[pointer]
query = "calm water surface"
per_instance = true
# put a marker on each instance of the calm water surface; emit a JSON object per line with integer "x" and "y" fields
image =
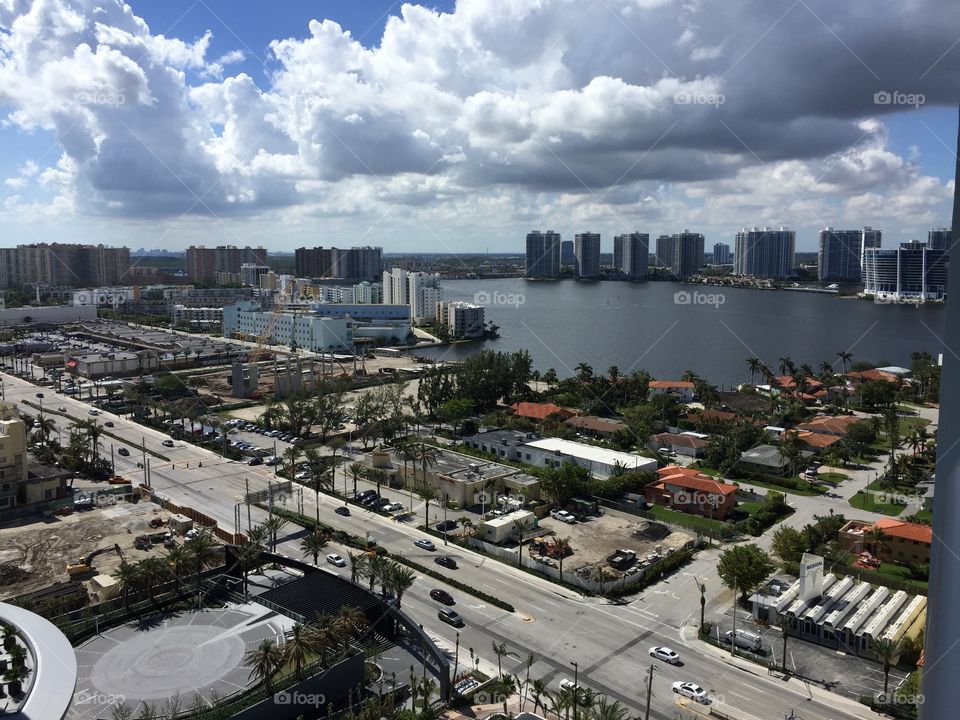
{"x": 640, "y": 326}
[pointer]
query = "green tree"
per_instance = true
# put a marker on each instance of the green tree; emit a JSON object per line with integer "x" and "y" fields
{"x": 264, "y": 661}
{"x": 312, "y": 545}
{"x": 454, "y": 411}
{"x": 789, "y": 544}
{"x": 743, "y": 568}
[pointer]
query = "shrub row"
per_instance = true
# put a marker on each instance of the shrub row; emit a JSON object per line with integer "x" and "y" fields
{"x": 654, "y": 573}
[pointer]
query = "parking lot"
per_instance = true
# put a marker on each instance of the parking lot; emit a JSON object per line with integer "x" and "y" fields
{"x": 597, "y": 538}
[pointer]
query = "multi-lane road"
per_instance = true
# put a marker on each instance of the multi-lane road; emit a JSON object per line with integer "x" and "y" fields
{"x": 608, "y": 641}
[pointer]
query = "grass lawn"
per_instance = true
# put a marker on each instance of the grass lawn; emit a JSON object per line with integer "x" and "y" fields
{"x": 922, "y": 516}
{"x": 834, "y": 478}
{"x": 908, "y": 423}
{"x": 804, "y": 490}
{"x": 686, "y": 519}
{"x": 867, "y": 501}
{"x": 896, "y": 572}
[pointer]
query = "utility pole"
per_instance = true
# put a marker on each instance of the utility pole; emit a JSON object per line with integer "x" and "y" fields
{"x": 646, "y": 714}
{"x": 113, "y": 465}
{"x": 733, "y": 638}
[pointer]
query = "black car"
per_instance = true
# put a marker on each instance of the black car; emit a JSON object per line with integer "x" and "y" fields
{"x": 383, "y": 501}
{"x": 451, "y": 617}
{"x": 364, "y": 494}
{"x": 442, "y": 596}
{"x": 447, "y": 562}
{"x": 123, "y": 452}
{"x": 370, "y": 500}
{"x": 342, "y": 510}
{"x": 256, "y": 461}
{"x": 108, "y": 423}
{"x": 446, "y": 525}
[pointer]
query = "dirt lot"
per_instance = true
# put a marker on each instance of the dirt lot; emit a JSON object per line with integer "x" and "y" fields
{"x": 43, "y": 548}
{"x": 597, "y": 538}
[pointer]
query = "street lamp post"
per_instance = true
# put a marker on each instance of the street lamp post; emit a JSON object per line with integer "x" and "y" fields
{"x": 576, "y": 687}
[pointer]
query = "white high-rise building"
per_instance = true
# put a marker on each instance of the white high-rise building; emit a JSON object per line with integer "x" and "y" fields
{"x": 421, "y": 291}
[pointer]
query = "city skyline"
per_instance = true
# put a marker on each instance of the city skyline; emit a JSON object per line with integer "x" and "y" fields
{"x": 293, "y": 129}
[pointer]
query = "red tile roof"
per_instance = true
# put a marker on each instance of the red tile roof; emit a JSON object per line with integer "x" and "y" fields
{"x": 829, "y": 424}
{"x": 787, "y": 381}
{"x": 690, "y": 441}
{"x": 708, "y": 415}
{"x": 667, "y": 384}
{"x": 817, "y": 440}
{"x": 538, "y": 411}
{"x": 688, "y": 478}
{"x": 906, "y": 530}
{"x": 872, "y": 375}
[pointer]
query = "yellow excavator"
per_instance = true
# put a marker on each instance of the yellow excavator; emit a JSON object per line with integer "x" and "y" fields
{"x": 85, "y": 564}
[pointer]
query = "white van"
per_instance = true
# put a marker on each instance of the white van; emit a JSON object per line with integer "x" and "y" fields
{"x": 744, "y": 639}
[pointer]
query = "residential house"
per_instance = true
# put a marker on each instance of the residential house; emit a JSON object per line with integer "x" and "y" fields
{"x": 594, "y": 426}
{"x": 688, "y": 444}
{"x": 829, "y": 424}
{"x": 817, "y": 442}
{"x": 681, "y": 389}
{"x": 691, "y": 491}
{"x": 905, "y": 542}
{"x": 600, "y": 462}
{"x": 811, "y": 391}
{"x": 765, "y": 459}
{"x": 541, "y": 411}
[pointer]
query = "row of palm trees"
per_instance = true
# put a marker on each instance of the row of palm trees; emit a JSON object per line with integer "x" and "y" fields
{"x": 586, "y": 703}
{"x": 82, "y": 449}
{"x": 329, "y": 637}
{"x": 373, "y": 569}
{"x": 149, "y": 574}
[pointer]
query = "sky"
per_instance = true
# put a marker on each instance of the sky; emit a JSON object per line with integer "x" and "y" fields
{"x": 460, "y": 126}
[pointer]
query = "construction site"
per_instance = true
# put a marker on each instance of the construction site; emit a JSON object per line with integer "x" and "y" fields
{"x": 85, "y": 547}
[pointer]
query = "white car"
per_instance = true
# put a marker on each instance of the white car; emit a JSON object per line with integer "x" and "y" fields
{"x": 94, "y": 412}
{"x": 392, "y": 507}
{"x": 665, "y": 654}
{"x": 335, "y": 559}
{"x": 563, "y": 516}
{"x": 567, "y": 684}
{"x": 692, "y": 691}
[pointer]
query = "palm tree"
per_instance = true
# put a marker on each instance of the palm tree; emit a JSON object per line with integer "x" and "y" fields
{"x": 754, "y": 364}
{"x": 826, "y": 370}
{"x": 180, "y": 561}
{"x": 274, "y": 525}
{"x": 358, "y": 565}
{"x": 320, "y": 479}
{"x": 600, "y": 576}
{"x": 500, "y": 649}
{"x": 845, "y": 357}
{"x": 264, "y": 661}
{"x": 300, "y": 644}
{"x": 351, "y": 622}
{"x": 428, "y": 458}
{"x": 313, "y": 544}
{"x": 562, "y": 546}
{"x": 204, "y": 551}
{"x": 519, "y": 525}
{"x": 428, "y": 493}
{"x": 604, "y": 709}
{"x": 152, "y": 571}
{"x": 45, "y": 426}
{"x": 357, "y": 471}
{"x": 290, "y": 455}
{"x": 539, "y": 689}
{"x": 876, "y": 539}
{"x": 128, "y": 578}
{"x": 329, "y": 635}
{"x": 248, "y": 553}
{"x": 888, "y": 653}
{"x": 584, "y": 372}
{"x": 400, "y": 580}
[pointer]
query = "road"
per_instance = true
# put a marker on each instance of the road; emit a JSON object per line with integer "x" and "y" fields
{"x": 608, "y": 641}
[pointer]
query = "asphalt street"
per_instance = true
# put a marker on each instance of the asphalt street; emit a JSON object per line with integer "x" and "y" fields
{"x": 608, "y": 641}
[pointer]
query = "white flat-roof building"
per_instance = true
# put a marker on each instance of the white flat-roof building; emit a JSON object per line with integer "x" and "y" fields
{"x": 600, "y": 462}
{"x": 498, "y": 529}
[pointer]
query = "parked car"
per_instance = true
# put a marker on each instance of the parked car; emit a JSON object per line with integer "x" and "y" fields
{"x": 256, "y": 461}
{"x": 563, "y": 516}
{"x": 62, "y": 408}
{"x": 744, "y": 639}
{"x": 94, "y": 411}
{"x": 451, "y": 617}
{"x": 108, "y": 423}
{"x": 665, "y": 654}
{"x": 342, "y": 510}
{"x": 335, "y": 559}
{"x": 442, "y": 596}
{"x": 447, "y": 562}
{"x": 167, "y": 443}
{"x": 425, "y": 544}
{"x": 123, "y": 452}
{"x": 393, "y": 507}
{"x": 692, "y": 691}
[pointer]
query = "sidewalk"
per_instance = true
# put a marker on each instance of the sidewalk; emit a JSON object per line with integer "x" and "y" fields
{"x": 804, "y": 690}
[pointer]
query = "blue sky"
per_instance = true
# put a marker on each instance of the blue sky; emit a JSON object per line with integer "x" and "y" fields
{"x": 468, "y": 125}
